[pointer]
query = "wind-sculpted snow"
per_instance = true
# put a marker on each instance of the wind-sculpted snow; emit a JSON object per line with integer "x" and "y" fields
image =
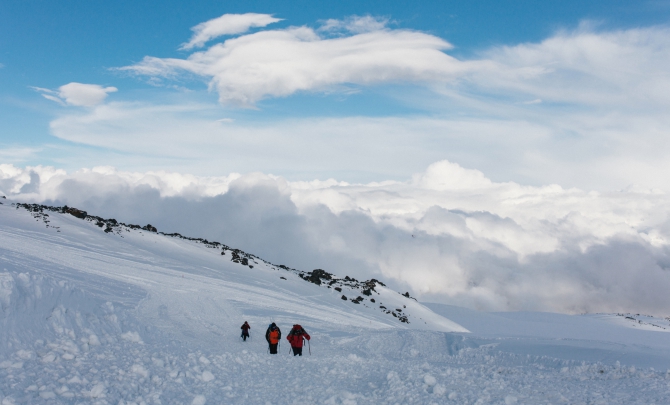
{"x": 132, "y": 316}
{"x": 341, "y": 371}
{"x": 37, "y": 308}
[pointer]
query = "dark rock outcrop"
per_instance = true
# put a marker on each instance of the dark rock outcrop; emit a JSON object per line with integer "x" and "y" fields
{"x": 150, "y": 228}
{"x": 77, "y": 213}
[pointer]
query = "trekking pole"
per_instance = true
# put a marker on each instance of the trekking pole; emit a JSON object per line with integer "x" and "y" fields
{"x": 309, "y": 346}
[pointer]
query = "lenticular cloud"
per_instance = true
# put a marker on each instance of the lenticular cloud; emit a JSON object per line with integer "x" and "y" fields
{"x": 449, "y": 234}
{"x": 568, "y": 67}
{"x": 277, "y": 63}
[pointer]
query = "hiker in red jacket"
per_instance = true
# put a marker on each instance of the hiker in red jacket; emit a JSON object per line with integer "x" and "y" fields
{"x": 245, "y": 330}
{"x": 295, "y": 338}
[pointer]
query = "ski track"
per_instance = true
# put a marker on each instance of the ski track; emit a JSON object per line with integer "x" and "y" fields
{"x": 94, "y": 318}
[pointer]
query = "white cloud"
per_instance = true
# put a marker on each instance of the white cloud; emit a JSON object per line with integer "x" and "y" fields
{"x": 227, "y": 24}
{"x": 277, "y": 63}
{"x": 621, "y": 69}
{"x": 77, "y": 94}
{"x": 388, "y": 147}
{"x": 86, "y": 95}
{"x": 614, "y": 69}
{"x": 53, "y": 98}
{"x": 103, "y": 179}
{"x": 499, "y": 246}
{"x": 592, "y": 150}
{"x": 18, "y": 154}
{"x": 355, "y": 24}
{"x": 450, "y": 176}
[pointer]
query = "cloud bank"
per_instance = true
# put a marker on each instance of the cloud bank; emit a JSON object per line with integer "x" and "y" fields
{"x": 623, "y": 68}
{"x": 448, "y": 234}
{"x": 601, "y": 151}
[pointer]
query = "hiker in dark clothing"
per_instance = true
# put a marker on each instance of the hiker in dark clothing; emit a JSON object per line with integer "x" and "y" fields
{"x": 295, "y": 337}
{"x": 245, "y": 330}
{"x": 273, "y": 335}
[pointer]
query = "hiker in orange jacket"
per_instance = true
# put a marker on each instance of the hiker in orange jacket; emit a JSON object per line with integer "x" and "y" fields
{"x": 273, "y": 335}
{"x": 295, "y": 338}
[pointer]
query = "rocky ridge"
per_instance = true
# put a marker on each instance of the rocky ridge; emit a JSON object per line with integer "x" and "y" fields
{"x": 319, "y": 277}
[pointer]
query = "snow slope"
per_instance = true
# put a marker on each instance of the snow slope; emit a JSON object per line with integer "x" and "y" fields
{"x": 96, "y": 312}
{"x": 604, "y": 338}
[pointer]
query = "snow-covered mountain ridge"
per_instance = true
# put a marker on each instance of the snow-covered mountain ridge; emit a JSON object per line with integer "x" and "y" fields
{"x": 132, "y": 316}
{"x": 360, "y": 292}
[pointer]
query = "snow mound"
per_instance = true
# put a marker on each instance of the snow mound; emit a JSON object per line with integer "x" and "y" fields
{"x": 37, "y": 308}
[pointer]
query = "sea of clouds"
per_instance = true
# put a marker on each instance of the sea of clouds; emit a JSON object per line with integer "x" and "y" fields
{"x": 447, "y": 234}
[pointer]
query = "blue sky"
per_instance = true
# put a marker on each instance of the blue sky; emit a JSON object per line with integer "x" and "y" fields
{"x": 352, "y": 129}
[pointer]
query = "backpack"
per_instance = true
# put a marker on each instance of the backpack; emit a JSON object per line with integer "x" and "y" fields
{"x": 295, "y": 335}
{"x": 274, "y": 336}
